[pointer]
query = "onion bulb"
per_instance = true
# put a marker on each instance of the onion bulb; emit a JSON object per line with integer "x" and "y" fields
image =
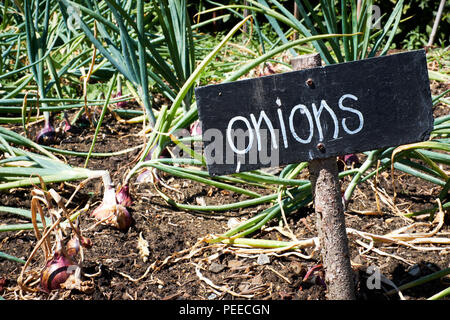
{"x": 120, "y": 104}
{"x": 351, "y": 159}
{"x": 47, "y": 133}
{"x": 73, "y": 245}
{"x": 110, "y": 212}
{"x": 56, "y": 272}
{"x": 146, "y": 174}
{"x": 196, "y": 128}
{"x": 348, "y": 160}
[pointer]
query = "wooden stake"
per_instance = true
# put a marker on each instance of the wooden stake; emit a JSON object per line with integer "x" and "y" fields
{"x": 245, "y": 16}
{"x": 330, "y": 214}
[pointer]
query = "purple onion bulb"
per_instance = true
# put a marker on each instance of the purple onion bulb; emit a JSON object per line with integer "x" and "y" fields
{"x": 47, "y": 134}
{"x": 56, "y": 272}
{"x": 196, "y": 128}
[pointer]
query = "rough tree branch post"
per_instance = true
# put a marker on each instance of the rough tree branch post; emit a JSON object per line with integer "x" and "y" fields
{"x": 315, "y": 114}
{"x": 330, "y": 219}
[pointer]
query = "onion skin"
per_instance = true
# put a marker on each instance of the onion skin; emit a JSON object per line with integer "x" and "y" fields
{"x": 120, "y": 104}
{"x": 123, "y": 219}
{"x": 86, "y": 242}
{"x": 123, "y": 196}
{"x": 73, "y": 247}
{"x": 350, "y": 159}
{"x": 56, "y": 272}
{"x": 146, "y": 174}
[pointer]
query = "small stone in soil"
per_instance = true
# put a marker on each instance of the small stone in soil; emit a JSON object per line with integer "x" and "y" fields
{"x": 263, "y": 259}
{"x": 212, "y": 296}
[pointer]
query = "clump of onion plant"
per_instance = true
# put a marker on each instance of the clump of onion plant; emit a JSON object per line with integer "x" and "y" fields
{"x": 63, "y": 263}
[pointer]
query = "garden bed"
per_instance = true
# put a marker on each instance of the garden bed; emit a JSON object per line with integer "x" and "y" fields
{"x": 182, "y": 265}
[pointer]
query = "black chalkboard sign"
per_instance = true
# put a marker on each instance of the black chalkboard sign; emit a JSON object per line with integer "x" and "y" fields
{"x": 315, "y": 113}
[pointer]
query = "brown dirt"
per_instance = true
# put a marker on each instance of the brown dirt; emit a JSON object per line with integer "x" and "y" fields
{"x": 116, "y": 270}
